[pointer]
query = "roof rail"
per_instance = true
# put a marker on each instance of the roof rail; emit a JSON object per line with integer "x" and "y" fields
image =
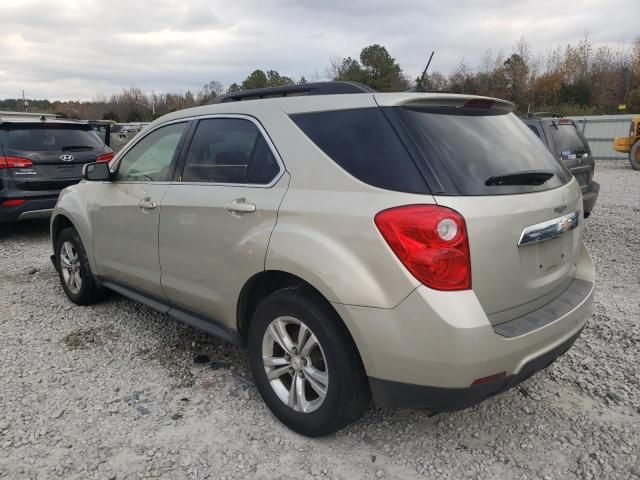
{"x": 318, "y": 88}
{"x": 10, "y": 115}
{"x": 542, "y": 114}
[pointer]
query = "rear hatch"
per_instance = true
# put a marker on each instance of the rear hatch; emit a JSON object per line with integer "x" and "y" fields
{"x": 482, "y": 161}
{"x": 573, "y": 149}
{"x": 50, "y": 155}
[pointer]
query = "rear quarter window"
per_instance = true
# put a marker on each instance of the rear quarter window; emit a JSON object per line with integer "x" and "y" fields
{"x": 363, "y": 142}
{"x": 534, "y": 129}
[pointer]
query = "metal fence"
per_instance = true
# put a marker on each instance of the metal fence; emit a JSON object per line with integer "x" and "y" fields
{"x": 600, "y": 130}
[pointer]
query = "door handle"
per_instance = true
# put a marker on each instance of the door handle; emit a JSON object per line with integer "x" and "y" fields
{"x": 240, "y": 206}
{"x": 147, "y": 204}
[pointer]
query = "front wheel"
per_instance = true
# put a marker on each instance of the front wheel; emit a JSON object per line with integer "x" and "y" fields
{"x": 634, "y": 156}
{"x": 305, "y": 364}
{"x": 74, "y": 270}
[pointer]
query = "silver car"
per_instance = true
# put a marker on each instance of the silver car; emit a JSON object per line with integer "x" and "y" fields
{"x": 418, "y": 250}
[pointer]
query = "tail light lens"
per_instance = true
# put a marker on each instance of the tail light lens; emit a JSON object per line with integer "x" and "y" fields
{"x": 14, "y": 162}
{"x": 431, "y": 242}
{"x": 107, "y": 157}
{"x": 14, "y": 202}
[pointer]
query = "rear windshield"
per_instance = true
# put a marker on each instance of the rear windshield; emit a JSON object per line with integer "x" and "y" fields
{"x": 568, "y": 141}
{"x": 465, "y": 148}
{"x": 48, "y": 138}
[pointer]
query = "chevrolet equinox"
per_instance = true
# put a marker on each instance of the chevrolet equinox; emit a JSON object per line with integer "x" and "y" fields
{"x": 415, "y": 249}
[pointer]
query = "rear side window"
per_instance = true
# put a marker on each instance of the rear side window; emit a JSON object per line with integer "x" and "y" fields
{"x": 363, "y": 142}
{"x": 229, "y": 150}
{"x": 49, "y": 138}
{"x": 568, "y": 141}
{"x": 468, "y": 148}
{"x": 264, "y": 166}
{"x": 534, "y": 130}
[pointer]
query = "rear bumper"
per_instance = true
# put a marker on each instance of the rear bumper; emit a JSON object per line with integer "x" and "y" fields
{"x": 38, "y": 204}
{"x": 40, "y": 207}
{"x": 590, "y": 196}
{"x": 390, "y": 394}
{"x": 427, "y": 351}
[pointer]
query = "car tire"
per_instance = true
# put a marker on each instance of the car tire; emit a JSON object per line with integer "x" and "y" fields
{"x": 74, "y": 270}
{"x": 332, "y": 356}
{"x": 634, "y": 156}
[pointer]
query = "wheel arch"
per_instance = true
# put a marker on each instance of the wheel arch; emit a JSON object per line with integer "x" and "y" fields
{"x": 61, "y": 219}
{"x": 257, "y": 288}
{"x": 58, "y": 223}
{"x": 267, "y": 282}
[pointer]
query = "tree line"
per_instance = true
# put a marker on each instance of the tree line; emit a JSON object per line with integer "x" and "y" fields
{"x": 575, "y": 79}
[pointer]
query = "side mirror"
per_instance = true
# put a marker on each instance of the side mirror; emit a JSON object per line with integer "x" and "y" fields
{"x": 96, "y": 172}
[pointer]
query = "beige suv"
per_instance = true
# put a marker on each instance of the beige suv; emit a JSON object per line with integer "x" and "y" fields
{"x": 421, "y": 250}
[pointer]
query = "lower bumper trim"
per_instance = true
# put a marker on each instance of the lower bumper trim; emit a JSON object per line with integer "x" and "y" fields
{"x": 390, "y": 394}
{"x": 44, "y": 213}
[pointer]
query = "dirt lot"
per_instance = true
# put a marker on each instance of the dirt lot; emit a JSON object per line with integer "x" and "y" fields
{"x": 117, "y": 391}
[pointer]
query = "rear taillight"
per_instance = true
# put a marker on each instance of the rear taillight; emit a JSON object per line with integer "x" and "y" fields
{"x": 14, "y": 162}
{"x": 13, "y": 202}
{"x": 107, "y": 157}
{"x": 431, "y": 242}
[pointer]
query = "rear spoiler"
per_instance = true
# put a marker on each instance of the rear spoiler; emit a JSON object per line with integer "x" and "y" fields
{"x": 444, "y": 100}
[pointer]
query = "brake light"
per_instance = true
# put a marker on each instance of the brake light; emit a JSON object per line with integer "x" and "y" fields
{"x": 14, "y": 162}
{"x": 479, "y": 103}
{"x": 14, "y": 202}
{"x": 431, "y": 242}
{"x": 107, "y": 157}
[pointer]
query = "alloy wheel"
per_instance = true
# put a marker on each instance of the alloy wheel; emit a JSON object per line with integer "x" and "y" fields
{"x": 295, "y": 364}
{"x": 70, "y": 265}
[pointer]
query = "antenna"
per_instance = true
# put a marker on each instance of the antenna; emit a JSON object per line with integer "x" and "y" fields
{"x": 424, "y": 72}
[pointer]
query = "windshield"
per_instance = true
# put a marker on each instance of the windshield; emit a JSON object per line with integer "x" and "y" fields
{"x": 466, "y": 148}
{"x": 49, "y": 138}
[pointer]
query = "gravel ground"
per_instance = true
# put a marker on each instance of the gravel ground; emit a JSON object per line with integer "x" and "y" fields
{"x": 117, "y": 391}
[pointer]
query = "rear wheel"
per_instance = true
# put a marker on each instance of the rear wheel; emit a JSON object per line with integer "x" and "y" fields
{"x": 305, "y": 364}
{"x": 74, "y": 270}
{"x": 634, "y": 155}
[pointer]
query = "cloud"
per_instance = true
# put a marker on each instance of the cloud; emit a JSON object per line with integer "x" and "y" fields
{"x": 78, "y": 48}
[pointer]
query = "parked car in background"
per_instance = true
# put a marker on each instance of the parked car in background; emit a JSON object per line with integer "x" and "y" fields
{"x": 355, "y": 242}
{"x": 39, "y": 156}
{"x": 565, "y": 141}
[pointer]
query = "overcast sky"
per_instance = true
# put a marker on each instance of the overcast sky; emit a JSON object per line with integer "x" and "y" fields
{"x": 75, "y": 49}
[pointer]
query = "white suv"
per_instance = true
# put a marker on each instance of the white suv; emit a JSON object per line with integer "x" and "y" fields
{"x": 422, "y": 250}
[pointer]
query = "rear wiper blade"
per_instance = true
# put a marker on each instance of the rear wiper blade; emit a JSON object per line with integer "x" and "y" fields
{"x": 68, "y": 148}
{"x": 528, "y": 177}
